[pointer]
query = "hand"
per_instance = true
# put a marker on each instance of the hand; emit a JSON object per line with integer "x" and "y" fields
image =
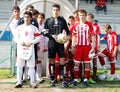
{"x": 45, "y": 50}
{"x": 23, "y": 43}
{"x": 114, "y": 54}
{"x": 28, "y": 44}
{"x": 92, "y": 50}
{"x": 55, "y": 37}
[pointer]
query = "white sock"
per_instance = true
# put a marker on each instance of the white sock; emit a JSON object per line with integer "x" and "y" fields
{"x": 31, "y": 73}
{"x": 19, "y": 74}
{"x": 39, "y": 71}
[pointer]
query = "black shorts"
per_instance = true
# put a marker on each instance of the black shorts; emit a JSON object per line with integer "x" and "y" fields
{"x": 53, "y": 48}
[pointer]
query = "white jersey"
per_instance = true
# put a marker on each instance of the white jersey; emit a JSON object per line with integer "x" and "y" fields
{"x": 13, "y": 26}
{"x": 26, "y": 34}
{"x": 43, "y": 44}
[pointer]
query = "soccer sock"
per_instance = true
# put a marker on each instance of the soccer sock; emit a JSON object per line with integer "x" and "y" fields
{"x": 112, "y": 68}
{"x": 67, "y": 71}
{"x": 76, "y": 72}
{"x": 38, "y": 71}
{"x": 71, "y": 67}
{"x": 94, "y": 66}
{"x": 31, "y": 73}
{"x": 19, "y": 74}
{"x": 80, "y": 71}
{"x": 52, "y": 70}
{"x": 87, "y": 73}
{"x": 49, "y": 65}
{"x": 94, "y": 70}
{"x": 63, "y": 71}
{"x": 102, "y": 61}
{"x": 57, "y": 71}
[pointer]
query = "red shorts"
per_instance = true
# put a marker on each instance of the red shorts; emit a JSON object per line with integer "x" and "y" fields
{"x": 109, "y": 55}
{"x": 81, "y": 54}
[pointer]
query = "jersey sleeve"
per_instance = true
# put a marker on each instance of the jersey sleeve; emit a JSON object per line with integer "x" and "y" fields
{"x": 115, "y": 39}
{"x": 36, "y": 35}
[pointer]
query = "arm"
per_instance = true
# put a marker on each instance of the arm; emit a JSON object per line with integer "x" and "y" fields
{"x": 98, "y": 45}
{"x": 46, "y": 27}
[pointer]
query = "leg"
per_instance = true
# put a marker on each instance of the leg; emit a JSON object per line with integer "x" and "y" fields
{"x": 19, "y": 76}
{"x": 86, "y": 73}
{"x": 76, "y": 73}
{"x": 94, "y": 68}
{"x": 31, "y": 73}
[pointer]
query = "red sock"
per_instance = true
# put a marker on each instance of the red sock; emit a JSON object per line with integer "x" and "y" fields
{"x": 67, "y": 71}
{"x": 76, "y": 72}
{"x": 102, "y": 61}
{"x": 112, "y": 68}
{"x": 57, "y": 71}
{"x": 94, "y": 70}
{"x": 87, "y": 73}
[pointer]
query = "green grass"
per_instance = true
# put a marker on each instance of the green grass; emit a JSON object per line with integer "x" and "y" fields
{"x": 5, "y": 73}
{"x": 101, "y": 86}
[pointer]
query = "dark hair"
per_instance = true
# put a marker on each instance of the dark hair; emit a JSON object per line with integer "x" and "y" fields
{"x": 42, "y": 14}
{"x": 76, "y": 11}
{"x": 83, "y": 11}
{"x": 107, "y": 26}
{"x": 35, "y": 12}
{"x": 56, "y": 5}
{"x": 71, "y": 17}
{"x": 16, "y": 8}
{"x": 91, "y": 15}
{"x": 28, "y": 13}
{"x": 29, "y": 6}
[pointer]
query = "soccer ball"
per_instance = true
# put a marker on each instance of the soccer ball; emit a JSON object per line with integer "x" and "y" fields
{"x": 102, "y": 76}
{"x": 61, "y": 38}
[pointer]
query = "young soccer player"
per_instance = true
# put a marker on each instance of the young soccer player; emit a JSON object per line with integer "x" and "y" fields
{"x": 26, "y": 36}
{"x": 90, "y": 18}
{"x": 112, "y": 49}
{"x": 84, "y": 31}
{"x": 56, "y": 24}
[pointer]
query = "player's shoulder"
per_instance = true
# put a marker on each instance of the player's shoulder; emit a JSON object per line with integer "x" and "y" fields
{"x": 114, "y": 33}
{"x": 88, "y": 23}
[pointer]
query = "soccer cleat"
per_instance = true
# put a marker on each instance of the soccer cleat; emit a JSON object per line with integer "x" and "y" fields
{"x": 94, "y": 77}
{"x": 78, "y": 80}
{"x": 41, "y": 81}
{"x": 92, "y": 81}
{"x": 75, "y": 82}
{"x": 52, "y": 83}
{"x": 33, "y": 85}
{"x": 65, "y": 84}
{"x": 86, "y": 83}
{"x": 18, "y": 86}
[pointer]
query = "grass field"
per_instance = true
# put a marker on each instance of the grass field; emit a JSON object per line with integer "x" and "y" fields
{"x": 7, "y": 83}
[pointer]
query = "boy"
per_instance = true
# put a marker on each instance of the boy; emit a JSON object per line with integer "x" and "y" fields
{"x": 26, "y": 36}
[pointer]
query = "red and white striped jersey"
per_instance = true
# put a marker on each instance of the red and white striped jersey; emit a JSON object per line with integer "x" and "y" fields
{"x": 112, "y": 41}
{"x": 83, "y": 33}
{"x": 96, "y": 32}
